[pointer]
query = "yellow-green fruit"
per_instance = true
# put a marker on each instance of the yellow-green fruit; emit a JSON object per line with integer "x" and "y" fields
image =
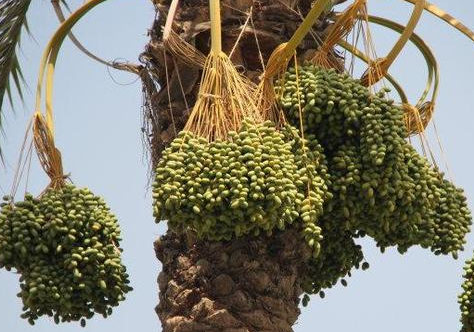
{"x": 65, "y": 245}
{"x": 258, "y": 180}
{"x": 466, "y": 298}
{"x": 381, "y": 186}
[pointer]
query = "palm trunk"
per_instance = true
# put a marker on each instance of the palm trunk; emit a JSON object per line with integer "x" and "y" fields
{"x": 251, "y": 283}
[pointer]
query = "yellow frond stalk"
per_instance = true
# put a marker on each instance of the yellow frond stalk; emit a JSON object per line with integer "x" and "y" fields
{"x": 225, "y": 98}
{"x": 379, "y": 67}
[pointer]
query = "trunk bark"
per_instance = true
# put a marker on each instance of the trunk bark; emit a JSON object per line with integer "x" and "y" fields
{"x": 251, "y": 283}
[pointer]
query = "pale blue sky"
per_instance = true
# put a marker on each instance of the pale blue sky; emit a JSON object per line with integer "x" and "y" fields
{"x": 98, "y": 129}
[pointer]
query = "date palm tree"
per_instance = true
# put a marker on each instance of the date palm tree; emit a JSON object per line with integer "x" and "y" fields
{"x": 247, "y": 284}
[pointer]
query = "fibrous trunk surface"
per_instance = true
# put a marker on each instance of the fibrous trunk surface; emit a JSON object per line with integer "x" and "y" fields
{"x": 247, "y": 285}
{"x": 251, "y": 283}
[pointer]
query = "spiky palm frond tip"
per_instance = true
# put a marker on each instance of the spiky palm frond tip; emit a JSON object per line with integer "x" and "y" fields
{"x": 12, "y": 20}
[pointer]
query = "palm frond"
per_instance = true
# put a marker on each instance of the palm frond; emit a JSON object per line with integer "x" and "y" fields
{"x": 12, "y": 21}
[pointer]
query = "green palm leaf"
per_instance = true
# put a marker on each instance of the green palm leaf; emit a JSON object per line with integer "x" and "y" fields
{"x": 12, "y": 21}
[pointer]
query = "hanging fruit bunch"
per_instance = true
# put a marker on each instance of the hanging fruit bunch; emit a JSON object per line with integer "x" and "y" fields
{"x": 405, "y": 201}
{"x": 230, "y": 173}
{"x": 65, "y": 246}
{"x": 65, "y": 243}
{"x": 247, "y": 184}
{"x": 380, "y": 185}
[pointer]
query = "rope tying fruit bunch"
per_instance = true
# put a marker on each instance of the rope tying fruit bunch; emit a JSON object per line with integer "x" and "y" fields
{"x": 65, "y": 246}
{"x": 251, "y": 183}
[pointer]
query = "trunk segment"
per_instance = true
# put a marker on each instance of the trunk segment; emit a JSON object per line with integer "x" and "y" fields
{"x": 246, "y": 285}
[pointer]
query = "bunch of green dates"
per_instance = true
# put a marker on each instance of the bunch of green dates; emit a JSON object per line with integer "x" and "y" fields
{"x": 65, "y": 245}
{"x": 466, "y": 298}
{"x": 330, "y": 104}
{"x": 451, "y": 219}
{"x": 380, "y": 185}
{"x": 311, "y": 161}
{"x": 339, "y": 255}
{"x": 258, "y": 180}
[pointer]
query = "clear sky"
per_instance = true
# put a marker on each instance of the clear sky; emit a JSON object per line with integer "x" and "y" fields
{"x": 98, "y": 129}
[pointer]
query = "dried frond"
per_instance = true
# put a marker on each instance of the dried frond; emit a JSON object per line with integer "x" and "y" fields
{"x": 343, "y": 25}
{"x": 48, "y": 154}
{"x": 225, "y": 99}
{"x": 184, "y": 51}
